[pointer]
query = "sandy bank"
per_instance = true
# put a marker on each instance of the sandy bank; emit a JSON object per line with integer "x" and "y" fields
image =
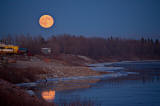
{"x": 33, "y": 69}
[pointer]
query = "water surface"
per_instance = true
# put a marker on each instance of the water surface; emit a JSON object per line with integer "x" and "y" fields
{"x": 129, "y": 84}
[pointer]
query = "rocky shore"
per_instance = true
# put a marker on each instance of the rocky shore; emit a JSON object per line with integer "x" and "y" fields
{"x": 38, "y": 69}
{"x": 33, "y": 69}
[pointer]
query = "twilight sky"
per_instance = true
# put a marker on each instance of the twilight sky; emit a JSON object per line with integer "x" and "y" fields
{"x": 124, "y": 18}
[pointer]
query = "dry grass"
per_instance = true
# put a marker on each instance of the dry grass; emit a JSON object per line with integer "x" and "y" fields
{"x": 16, "y": 75}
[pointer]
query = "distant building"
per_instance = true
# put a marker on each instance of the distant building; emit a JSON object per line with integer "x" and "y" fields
{"x": 46, "y": 50}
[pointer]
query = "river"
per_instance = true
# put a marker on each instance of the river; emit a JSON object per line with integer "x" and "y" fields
{"x": 130, "y": 83}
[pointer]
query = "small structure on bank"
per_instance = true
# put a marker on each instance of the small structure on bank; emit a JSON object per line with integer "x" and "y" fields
{"x": 46, "y": 51}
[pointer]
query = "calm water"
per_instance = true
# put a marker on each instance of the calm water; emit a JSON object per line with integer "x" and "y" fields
{"x": 130, "y": 84}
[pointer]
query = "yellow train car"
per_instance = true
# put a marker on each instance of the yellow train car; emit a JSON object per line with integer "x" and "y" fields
{"x": 8, "y": 49}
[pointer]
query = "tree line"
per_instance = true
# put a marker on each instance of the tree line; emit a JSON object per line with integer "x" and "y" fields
{"x": 93, "y": 47}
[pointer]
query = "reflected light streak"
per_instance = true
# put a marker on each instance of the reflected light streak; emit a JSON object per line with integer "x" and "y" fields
{"x": 48, "y": 95}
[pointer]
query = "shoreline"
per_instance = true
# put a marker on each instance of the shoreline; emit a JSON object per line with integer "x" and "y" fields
{"x": 37, "y": 70}
{"x": 33, "y": 71}
{"x": 24, "y": 71}
{"x": 115, "y": 61}
{"x": 98, "y": 73}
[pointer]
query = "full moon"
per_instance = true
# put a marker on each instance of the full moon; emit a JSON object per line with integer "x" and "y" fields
{"x": 46, "y": 21}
